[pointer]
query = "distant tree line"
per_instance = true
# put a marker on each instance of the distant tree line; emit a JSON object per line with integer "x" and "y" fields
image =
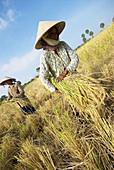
{"x": 87, "y": 32}
{"x": 84, "y": 39}
{"x": 90, "y": 33}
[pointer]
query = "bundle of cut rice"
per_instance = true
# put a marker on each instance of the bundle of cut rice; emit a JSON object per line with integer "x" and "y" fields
{"x": 81, "y": 91}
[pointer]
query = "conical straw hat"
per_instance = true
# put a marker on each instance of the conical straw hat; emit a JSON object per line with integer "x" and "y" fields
{"x": 5, "y": 79}
{"x": 44, "y": 26}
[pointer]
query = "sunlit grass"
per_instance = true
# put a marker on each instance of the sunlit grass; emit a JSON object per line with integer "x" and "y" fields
{"x": 70, "y": 130}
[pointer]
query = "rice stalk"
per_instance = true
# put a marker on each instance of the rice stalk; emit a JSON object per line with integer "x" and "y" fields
{"x": 104, "y": 128}
{"x": 33, "y": 156}
{"x": 81, "y": 91}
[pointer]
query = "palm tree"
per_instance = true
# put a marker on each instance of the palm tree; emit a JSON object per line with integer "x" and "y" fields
{"x": 84, "y": 40}
{"x": 83, "y": 35}
{"x": 102, "y": 25}
{"x": 91, "y": 33}
{"x": 87, "y": 31}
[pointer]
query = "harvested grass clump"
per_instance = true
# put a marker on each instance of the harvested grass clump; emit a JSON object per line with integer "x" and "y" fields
{"x": 81, "y": 91}
{"x": 35, "y": 157}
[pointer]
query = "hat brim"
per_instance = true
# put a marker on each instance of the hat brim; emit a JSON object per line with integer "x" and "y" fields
{"x": 3, "y": 82}
{"x": 60, "y": 26}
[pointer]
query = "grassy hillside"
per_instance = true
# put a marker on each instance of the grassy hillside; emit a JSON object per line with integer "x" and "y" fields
{"x": 97, "y": 54}
{"x": 70, "y": 130}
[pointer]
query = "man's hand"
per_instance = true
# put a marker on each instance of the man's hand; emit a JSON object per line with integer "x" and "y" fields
{"x": 61, "y": 76}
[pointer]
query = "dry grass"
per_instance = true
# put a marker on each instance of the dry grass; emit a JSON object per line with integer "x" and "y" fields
{"x": 71, "y": 130}
{"x": 97, "y": 55}
{"x": 82, "y": 91}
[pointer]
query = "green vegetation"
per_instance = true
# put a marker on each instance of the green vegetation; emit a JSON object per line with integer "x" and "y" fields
{"x": 84, "y": 38}
{"x": 87, "y": 31}
{"x": 72, "y": 129}
{"x": 3, "y": 98}
{"x": 113, "y": 19}
{"x": 102, "y": 25}
{"x": 91, "y": 33}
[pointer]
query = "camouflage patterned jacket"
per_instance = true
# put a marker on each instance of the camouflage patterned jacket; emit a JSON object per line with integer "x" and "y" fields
{"x": 55, "y": 64}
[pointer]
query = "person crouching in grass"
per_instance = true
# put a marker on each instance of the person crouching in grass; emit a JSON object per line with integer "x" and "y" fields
{"x": 16, "y": 91}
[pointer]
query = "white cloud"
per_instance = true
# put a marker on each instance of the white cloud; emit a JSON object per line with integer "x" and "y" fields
{"x": 3, "y": 24}
{"x": 23, "y": 69}
{"x": 10, "y": 14}
{"x": 18, "y": 64}
{"x": 9, "y": 17}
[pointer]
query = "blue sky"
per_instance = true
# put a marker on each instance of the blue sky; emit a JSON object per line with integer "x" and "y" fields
{"x": 19, "y": 23}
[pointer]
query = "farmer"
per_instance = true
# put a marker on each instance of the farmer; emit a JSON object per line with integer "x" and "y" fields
{"x": 15, "y": 91}
{"x": 57, "y": 58}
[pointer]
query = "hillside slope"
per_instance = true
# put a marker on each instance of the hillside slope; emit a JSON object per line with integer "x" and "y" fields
{"x": 97, "y": 55}
{"x": 58, "y": 136}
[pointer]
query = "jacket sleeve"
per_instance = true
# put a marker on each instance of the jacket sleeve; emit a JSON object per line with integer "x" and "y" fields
{"x": 44, "y": 74}
{"x": 9, "y": 95}
{"x": 20, "y": 90}
{"x": 73, "y": 57}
